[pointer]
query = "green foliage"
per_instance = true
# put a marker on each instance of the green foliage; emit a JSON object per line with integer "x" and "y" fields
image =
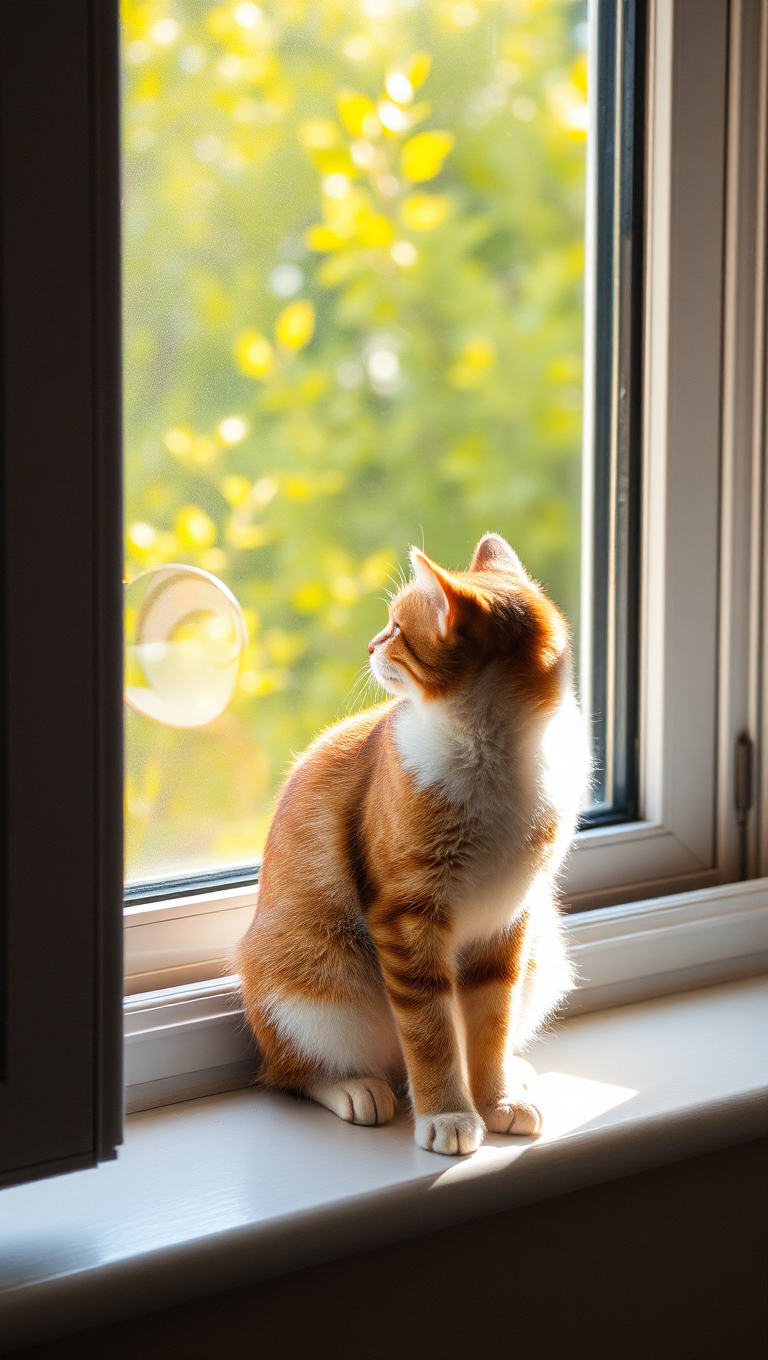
{"x": 353, "y": 302}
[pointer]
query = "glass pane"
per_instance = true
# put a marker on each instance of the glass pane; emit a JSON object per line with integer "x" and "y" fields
{"x": 354, "y": 261}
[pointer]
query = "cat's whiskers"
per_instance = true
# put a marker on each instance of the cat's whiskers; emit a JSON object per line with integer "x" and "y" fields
{"x": 354, "y": 696}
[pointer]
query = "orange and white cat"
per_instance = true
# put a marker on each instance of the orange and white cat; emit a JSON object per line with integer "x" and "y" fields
{"x": 407, "y": 927}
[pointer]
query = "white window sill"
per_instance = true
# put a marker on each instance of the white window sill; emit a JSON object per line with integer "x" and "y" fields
{"x": 217, "y": 1192}
{"x": 190, "y": 1040}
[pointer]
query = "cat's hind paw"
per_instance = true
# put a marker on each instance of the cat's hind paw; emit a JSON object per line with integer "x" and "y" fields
{"x": 518, "y": 1116}
{"x": 454, "y": 1134}
{"x": 358, "y": 1100}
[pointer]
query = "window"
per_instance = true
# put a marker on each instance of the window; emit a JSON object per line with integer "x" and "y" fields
{"x": 652, "y": 599}
{"x": 702, "y": 664}
{"x": 354, "y": 244}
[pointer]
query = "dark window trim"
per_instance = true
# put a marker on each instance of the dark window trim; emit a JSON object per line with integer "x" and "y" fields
{"x": 60, "y": 588}
{"x": 619, "y": 281}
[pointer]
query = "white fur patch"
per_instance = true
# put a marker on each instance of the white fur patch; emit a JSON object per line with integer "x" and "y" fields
{"x": 509, "y": 772}
{"x": 429, "y": 747}
{"x": 342, "y": 1038}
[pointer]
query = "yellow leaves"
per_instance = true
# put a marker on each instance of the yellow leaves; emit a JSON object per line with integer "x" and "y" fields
{"x": 357, "y": 113}
{"x": 339, "y": 268}
{"x": 257, "y": 684}
{"x": 422, "y": 156}
{"x": 323, "y": 238}
{"x": 311, "y": 387}
{"x": 318, "y": 135}
{"x": 579, "y": 73}
{"x": 220, "y": 22}
{"x": 418, "y": 68}
{"x": 374, "y": 229}
{"x": 567, "y": 369}
{"x": 309, "y": 598}
{"x": 336, "y": 161}
{"x": 235, "y": 488}
{"x": 424, "y": 212}
{"x": 254, "y": 355}
{"x": 295, "y": 325}
{"x": 250, "y": 536}
{"x": 473, "y": 363}
{"x": 194, "y": 528}
{"x": 148, "y": 87}
{"x": 304, "y": 487}
{"x": 184, "y": 444}
{"x": 350, "y": 220}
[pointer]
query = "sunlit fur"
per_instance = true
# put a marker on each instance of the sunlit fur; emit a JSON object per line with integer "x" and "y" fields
{"x": 407, "y": 930}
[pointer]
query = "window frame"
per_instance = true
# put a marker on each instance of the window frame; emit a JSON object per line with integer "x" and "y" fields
{"x": 702, "y": 539}
{"x": 60, "y": 632}
{"x": 612, "y": 426}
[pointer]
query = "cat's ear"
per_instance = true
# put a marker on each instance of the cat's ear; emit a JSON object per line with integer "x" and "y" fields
{"x": 493, "y": 553}
{"x": 436, "y": 584}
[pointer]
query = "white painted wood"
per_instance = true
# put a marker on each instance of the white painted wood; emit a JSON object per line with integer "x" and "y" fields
{"x": 686, "y": 170}
{"x": 190, "y": 1040}
{"x": 186, "y": 939}
{"x": 215, "y": 1193}
{"x": 743, "y": 418}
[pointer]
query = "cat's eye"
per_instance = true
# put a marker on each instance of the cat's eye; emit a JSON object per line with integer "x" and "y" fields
{"x": 395, "y": 629}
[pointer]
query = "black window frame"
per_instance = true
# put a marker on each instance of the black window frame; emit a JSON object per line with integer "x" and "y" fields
{"x": 60, "y": 588}
{"x": 620, "y": 104}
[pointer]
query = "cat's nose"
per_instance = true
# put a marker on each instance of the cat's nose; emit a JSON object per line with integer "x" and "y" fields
{"x": 371, "y": 648}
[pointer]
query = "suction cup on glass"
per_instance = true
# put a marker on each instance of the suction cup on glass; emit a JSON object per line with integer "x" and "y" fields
{"x": 184, "y": 638}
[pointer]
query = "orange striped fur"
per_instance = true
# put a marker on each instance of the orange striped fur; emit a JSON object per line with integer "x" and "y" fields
{"x": 407, "y": 932}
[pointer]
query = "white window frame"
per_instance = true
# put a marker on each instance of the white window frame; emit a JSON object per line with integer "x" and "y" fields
{"x": 704, "y": 615}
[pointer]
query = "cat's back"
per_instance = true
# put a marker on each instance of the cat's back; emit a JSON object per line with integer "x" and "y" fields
{"x": 322, "y": 796}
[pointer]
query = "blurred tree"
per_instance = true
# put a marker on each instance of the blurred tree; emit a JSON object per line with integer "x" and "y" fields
{"x": 353, "y": 321}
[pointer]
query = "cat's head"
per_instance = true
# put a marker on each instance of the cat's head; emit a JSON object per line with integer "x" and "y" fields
{"x": 446, "y": 627}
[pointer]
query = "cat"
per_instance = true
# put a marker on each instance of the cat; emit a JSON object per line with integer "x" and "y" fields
{"x": 407, "y": 928}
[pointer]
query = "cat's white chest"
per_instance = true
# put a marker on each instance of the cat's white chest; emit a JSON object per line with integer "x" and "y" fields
{"x": 504, "y": 781}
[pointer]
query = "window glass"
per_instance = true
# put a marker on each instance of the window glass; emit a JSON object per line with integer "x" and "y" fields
{"x": 354, "y": 264}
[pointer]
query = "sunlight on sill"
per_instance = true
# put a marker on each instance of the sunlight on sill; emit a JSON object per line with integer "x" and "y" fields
{"x": 566, "y": 1102}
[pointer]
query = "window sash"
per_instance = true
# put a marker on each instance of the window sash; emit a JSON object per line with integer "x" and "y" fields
{"x": 613, "y": 406}
{"x": 613, "y": 340}
{"x": 60, "y": 629}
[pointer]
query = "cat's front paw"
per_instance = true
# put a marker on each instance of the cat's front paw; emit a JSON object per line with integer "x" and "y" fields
{"x": 518, "y": 1116}
{"x": 455, "y": 1134}
{"x": 357, "y": 1100}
